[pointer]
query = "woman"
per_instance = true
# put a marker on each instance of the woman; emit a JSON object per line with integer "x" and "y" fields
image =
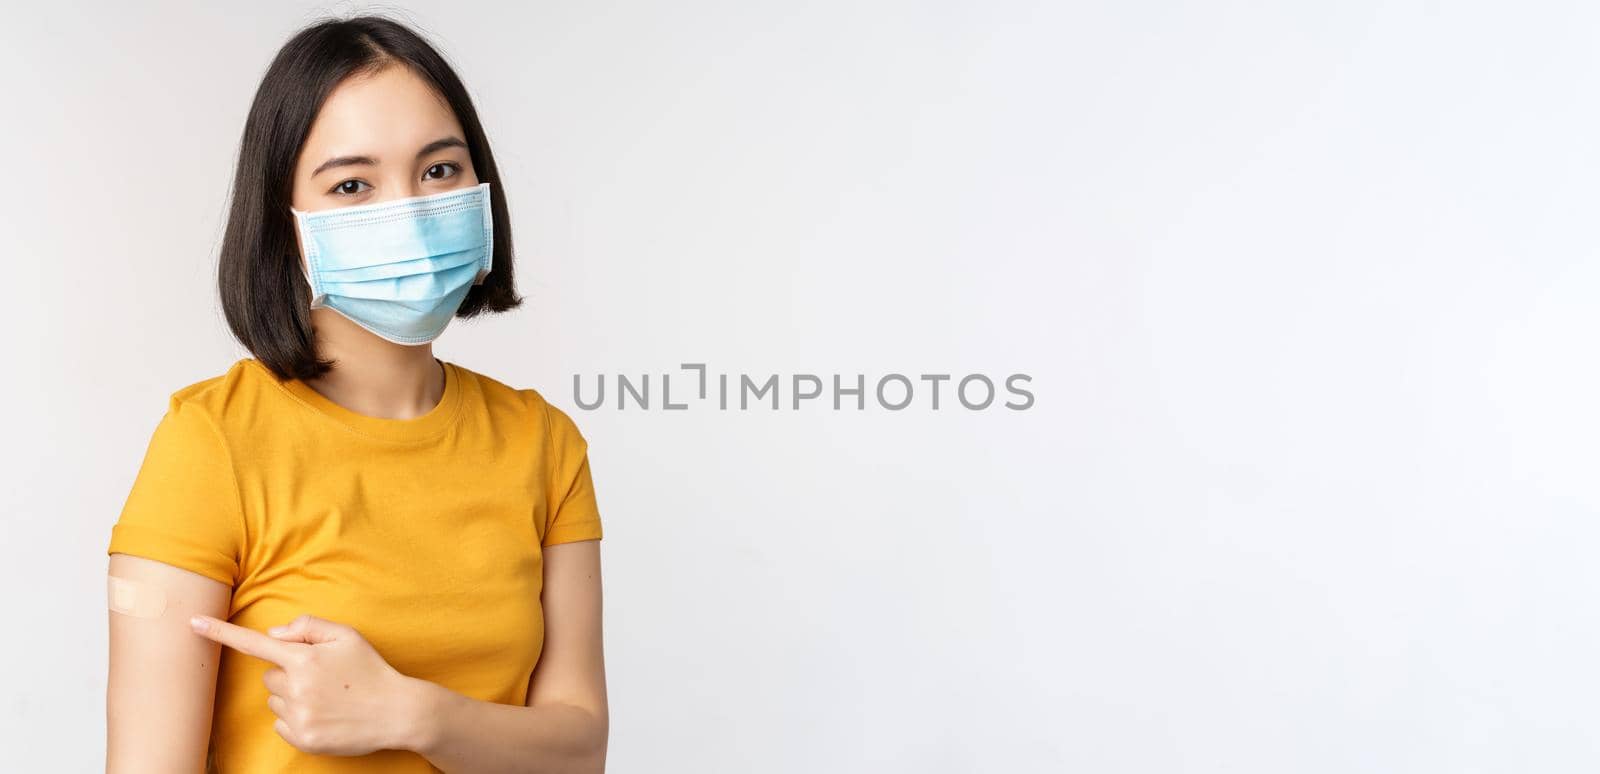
{"x": 344, "y": 554}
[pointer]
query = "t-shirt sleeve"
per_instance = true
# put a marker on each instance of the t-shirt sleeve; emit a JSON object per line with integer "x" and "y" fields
{"x": 184, "y": 509}
{"x": 572, "y": 513}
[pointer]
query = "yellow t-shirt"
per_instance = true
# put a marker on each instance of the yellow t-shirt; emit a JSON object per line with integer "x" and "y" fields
{"x": 424, "y": 534}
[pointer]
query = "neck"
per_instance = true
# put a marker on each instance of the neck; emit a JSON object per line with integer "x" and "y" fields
{"x": 372, "y": 376}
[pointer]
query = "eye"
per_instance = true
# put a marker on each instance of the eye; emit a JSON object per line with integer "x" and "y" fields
{"x": 349, "y": 187}
{"x": 441, "y": 171}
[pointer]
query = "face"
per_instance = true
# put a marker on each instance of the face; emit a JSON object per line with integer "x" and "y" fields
{"x": 381, "y": 136}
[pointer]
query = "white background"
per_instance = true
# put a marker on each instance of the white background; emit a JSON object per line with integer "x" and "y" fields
{"x": 1307, "y": 290}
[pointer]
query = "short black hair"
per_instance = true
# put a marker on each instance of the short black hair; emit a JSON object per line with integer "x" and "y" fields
{"x": 264, "y": 293}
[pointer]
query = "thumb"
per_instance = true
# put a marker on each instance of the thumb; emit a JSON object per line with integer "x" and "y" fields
{"x": 307, "y": 628}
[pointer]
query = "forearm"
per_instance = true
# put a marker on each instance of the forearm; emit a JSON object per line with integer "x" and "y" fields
{"x": 462, "y": 735}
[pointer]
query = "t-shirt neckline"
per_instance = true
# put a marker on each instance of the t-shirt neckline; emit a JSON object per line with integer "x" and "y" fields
{"x": 429, "y": 425}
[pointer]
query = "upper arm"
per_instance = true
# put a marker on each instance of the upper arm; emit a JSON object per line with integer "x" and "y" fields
{"x": 162, "y": 676}
{"x": 571, "y": 669}
{"x": 180, "y": 532}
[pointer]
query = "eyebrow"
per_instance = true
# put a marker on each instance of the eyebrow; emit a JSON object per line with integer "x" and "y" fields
{"x": 348, "y": 161}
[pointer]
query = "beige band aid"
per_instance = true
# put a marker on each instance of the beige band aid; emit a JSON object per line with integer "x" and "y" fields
{"x": 131, "y": 597}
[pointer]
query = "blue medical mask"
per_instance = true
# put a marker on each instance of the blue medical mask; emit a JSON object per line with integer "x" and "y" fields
{"x": 399, "y": 268}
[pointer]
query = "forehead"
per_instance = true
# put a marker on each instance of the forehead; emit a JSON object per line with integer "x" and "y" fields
{"x": 392, "y": 111}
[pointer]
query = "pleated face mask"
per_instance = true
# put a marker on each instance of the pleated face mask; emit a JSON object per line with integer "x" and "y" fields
{"x": 399, "y": 268}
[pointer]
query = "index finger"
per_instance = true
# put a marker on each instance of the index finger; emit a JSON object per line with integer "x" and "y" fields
{"x": 247, "y": 641}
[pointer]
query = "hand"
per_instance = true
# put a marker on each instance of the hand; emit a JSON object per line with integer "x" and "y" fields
{"x": 332, "y": 692}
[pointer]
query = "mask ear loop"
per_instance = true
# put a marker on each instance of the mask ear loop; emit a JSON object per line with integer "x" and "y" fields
{"x": 303, "y": 259}
{"x": 488, "y": 236}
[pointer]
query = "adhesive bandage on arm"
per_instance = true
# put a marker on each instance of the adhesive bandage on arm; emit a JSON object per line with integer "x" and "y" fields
{"x": 136, "y": 598}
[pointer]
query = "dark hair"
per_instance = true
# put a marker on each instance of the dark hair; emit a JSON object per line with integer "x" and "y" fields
{"x": 264, "y": 294}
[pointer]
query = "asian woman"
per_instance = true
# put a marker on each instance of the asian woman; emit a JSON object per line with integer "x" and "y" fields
{"x": 344, "y": 554}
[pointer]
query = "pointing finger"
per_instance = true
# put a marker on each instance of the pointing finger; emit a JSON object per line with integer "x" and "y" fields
{"x": 308, "y": 629}
{"x": 246, "y": 641}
